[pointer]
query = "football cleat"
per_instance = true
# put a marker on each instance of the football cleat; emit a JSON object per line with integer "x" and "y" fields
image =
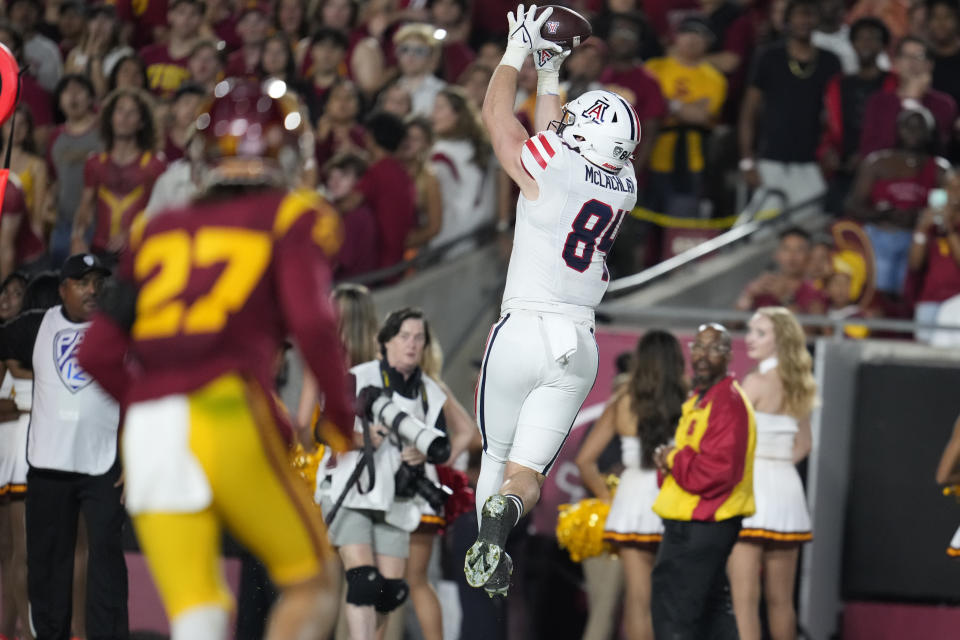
{"x": 487, "y": 565}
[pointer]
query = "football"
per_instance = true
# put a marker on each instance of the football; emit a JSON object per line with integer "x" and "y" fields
{"x": 565, "y": 27}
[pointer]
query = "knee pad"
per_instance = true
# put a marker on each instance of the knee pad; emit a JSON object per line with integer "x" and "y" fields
{"x": 394, "y": 594}
{"x": 364, "y": 586}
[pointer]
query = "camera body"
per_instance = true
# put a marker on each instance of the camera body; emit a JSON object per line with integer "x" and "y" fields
{"x": 375, "y": 404}
{"x": 411, "y": 480}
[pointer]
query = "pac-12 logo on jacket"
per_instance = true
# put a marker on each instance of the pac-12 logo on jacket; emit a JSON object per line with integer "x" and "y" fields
{"x": 65, "y": 345}
{"x": 597, "y": 111}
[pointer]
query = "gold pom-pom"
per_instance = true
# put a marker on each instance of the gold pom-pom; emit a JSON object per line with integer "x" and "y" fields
{"x": 580, "y": 528}
{"x": 305, "y": 464}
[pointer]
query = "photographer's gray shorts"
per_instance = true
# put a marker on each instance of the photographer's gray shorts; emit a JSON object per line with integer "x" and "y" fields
{"x": 366, "y": 526}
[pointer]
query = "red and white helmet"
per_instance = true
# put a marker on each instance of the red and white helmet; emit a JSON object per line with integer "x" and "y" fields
{"x": 250, "y": 134}
{"x": 602, "y": 126}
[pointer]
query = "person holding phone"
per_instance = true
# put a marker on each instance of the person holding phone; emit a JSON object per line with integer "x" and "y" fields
{"x": 935, "y": 253}
{"x": 890, "y": 191}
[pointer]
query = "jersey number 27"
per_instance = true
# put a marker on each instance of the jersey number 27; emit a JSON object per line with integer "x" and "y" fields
{"x": 594, "y": 229}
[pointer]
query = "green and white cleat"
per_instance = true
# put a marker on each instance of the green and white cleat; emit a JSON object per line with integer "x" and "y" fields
{"x": 482, "y": 560}
{"x": 499, "y": 582}
{"x": 486, "y": 555}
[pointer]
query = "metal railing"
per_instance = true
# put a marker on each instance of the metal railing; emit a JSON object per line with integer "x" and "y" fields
{"x": 745, "y": 228}
{"x": 426, "y": 256}
{"x": 692, "y": 317}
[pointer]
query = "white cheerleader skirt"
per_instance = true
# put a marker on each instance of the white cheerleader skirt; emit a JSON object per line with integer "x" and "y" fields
{"x": 631, "y": 521}
{"x": 781, "y": 517}
{"x": 954, "y": 549}
{"x": 13, "y": 458}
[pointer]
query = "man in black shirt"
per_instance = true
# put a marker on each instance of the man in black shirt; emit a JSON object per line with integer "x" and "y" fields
{"x": 845, "y": 103}
{"x": 943, "y": 29}
{"x": 785, "y": 95}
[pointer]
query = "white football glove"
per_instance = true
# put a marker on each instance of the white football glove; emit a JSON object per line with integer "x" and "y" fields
{"x": 547, "y": 63}
{"x": 524, "y": 35}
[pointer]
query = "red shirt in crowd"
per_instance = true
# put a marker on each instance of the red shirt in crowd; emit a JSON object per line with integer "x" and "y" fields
{"x": 327, "y": 147}
{"x": 237, "y": 65}
{"x": 942, "y": 277}
{"x": 171, "y": 151}
{"x": 359, "y": 252}
{"x": 642, "y": 90}
{"x": 908, "y": 193}
{"x": 390, "y": 192}
{"x": 456, "y": 57}
{"x": 226, "y": 30}
{"x": 144, "y": 15}
{"x": 37, "y": 99}
{"x": 880, "y": 119}
{"x": 165, "y": 74}
{"x": 122, "y": 192}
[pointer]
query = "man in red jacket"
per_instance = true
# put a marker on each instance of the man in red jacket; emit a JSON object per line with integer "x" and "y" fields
{"x": 706, "y": 490}
{"x": 187, "y": 341}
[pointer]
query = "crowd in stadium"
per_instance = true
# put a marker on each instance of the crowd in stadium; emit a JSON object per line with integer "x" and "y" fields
{"x": 791, "y": 99}
{"x": 837, "y": 108}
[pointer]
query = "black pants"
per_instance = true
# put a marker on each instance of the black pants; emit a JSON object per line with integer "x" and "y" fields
{"x": 54, "y": 500}
{"x": 691, "y": 593}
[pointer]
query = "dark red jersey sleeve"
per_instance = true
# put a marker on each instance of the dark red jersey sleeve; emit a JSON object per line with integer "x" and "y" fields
{"x": 718, "y": 467}
{"x": 303, "y": 275}
{"x": 103, "y": 353}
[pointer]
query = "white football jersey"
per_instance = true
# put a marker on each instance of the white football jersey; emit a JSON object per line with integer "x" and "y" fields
{"x": 562, "y": 238}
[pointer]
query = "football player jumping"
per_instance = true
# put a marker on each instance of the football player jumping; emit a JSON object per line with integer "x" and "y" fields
{"x": 576, "y": 185}
{"x": 187, "y": 340}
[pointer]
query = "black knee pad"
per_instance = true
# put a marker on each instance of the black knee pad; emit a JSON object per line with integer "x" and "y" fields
{"x": 364, "y": 586}
{"x": 393, "y": 595}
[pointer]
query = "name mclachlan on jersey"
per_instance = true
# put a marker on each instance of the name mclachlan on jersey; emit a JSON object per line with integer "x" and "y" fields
{"x": 608, "y": 181}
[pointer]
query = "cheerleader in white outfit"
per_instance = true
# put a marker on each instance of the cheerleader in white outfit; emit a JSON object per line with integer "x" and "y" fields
{"x": 16, "y": 394}
{"x": 783, "y": 393}
{"x": 948, "y": 474}
{"x": 644, "y": 413}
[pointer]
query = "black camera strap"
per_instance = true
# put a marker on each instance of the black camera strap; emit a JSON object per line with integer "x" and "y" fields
{"x": 365, "y": 462}
{"x": 416, "y": 379}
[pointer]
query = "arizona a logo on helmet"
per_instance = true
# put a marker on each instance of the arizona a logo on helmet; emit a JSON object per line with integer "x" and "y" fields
{"x": 597, "y": 111}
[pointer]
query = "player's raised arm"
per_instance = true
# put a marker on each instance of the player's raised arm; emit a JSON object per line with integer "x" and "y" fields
{"x": 547, "y": 63}
{"x": 506, "y": 132}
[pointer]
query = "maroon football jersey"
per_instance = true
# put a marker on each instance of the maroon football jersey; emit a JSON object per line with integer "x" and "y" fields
{"x": 122, "y": 192}
{"x": 221, "y": 283}
{"x": 165, "y": 74}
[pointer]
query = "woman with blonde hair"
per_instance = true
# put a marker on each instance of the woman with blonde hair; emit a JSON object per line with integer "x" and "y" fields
{"x": 358, "y": 328}
{"x": 783, "y": 393}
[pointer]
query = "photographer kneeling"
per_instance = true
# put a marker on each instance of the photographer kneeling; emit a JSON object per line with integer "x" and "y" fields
{"x": 371, "y": 522}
